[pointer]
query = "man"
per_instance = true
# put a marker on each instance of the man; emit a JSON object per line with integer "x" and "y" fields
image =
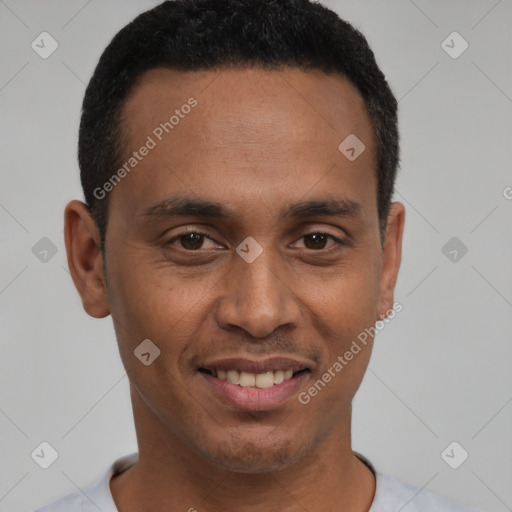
{"x": 238, "y": 160}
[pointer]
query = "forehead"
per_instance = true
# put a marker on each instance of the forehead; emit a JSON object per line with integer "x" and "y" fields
{"x": 250, "y": 129}
{"x": 251, "y": 98}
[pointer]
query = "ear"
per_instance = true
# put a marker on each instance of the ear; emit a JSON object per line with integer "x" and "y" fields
{"x": 85, "y": 260}
{"x": 391, "y": 257}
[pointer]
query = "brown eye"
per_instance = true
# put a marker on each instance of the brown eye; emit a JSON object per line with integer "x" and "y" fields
{"x": 191, "y": 241}
{"x": 315, "y": 241}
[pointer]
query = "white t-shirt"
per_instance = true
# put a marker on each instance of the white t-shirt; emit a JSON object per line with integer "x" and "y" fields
{"x": 391, "y": 495}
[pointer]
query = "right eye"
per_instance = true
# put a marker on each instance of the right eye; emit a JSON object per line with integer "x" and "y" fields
{"x": 189, "y": 240}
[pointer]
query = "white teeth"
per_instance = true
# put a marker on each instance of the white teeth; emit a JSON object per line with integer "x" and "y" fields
{"x": 278, "y": 377}
{"x": 265, "y": 380}
{"x": 247, "y": 380}
{"x": 251, "y": 380}
{"x": 233, "y": 376}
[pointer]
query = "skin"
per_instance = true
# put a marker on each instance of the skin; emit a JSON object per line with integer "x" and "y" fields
{"x": 257, "y": 141}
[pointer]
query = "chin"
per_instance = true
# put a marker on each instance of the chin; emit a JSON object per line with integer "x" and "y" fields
{"x": 250, "y": 456}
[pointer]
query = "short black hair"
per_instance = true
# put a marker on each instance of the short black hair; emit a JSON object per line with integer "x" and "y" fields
{"x": 192, "y": 35}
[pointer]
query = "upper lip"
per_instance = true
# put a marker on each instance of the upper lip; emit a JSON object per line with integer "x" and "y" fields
{"x": 257, "y": 366}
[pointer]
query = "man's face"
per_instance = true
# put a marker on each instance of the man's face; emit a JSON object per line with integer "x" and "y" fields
{"x": 256, "y": 144}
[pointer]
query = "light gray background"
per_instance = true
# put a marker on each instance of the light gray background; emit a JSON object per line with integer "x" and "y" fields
{"x": 441, "y": 371}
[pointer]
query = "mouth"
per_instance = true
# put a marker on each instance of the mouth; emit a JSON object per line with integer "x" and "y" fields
{"x": 254, "y": 385}
{"x": 253, "y": 380}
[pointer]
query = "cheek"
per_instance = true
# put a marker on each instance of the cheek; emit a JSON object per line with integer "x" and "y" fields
{"x": 346, "y": 312}
{"x": 151, "y": 296}
{"x": 156, "y": 302}
{"x": 348, "y": 299}
{"x": 347, "y": 316}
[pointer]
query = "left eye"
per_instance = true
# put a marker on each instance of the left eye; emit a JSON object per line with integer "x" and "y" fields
{"x": 317, "y": 241}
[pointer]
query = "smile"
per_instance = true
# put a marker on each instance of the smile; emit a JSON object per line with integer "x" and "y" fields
{"x": 257, "y": 385}
{"x": 253, "y": 380}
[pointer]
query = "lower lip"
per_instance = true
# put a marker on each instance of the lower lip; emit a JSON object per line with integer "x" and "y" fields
{"x": 255, "y": 399}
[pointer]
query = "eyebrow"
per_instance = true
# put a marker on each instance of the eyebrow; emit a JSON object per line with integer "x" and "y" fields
{"x": 180, "y": 206}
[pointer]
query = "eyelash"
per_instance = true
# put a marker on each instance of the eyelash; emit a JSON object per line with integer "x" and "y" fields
{"x": 338, "y": 241}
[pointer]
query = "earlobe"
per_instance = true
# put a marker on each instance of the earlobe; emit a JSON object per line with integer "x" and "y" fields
{"x": 84, "y": 257}
{"x": 391, "y": 257}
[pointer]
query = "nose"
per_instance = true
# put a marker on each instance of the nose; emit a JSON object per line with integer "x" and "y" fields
{"x": 258, "y": 298}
